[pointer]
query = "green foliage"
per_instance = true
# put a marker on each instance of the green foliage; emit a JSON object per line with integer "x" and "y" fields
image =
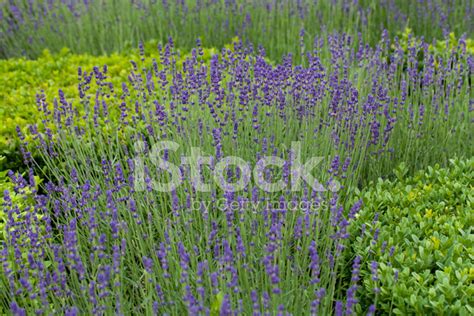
{"x": 428, "y": 219}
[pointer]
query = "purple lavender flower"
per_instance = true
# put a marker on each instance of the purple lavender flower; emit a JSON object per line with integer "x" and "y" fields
{"x": 315, "y": 264}
{"x": 371, "y": 310}
{"x": 147, "y": 264}
{"x": 373, "y": 270}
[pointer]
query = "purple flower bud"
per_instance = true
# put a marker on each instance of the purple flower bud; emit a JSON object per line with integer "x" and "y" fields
{"x": 147, "y": 264}
{"x": 373, "y": 270}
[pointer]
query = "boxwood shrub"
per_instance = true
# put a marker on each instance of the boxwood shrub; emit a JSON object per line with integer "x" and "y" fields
{"x": 420, "y": 230}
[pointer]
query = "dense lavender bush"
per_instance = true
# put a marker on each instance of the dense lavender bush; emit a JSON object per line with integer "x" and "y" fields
{"x": 23, "y": 80}
{"x": 26, "y": 27}
{"x": 372, "y": 108}
{"x": 100, "y": 238}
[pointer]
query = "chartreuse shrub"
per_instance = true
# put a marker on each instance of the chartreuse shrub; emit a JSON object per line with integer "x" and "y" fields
{"x": 420, "y": 232}
{"x": 25, "y": 83}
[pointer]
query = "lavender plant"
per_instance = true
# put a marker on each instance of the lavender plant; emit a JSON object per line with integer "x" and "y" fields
{"x": 102, "y": 239}
{"x": 27, "y": 27}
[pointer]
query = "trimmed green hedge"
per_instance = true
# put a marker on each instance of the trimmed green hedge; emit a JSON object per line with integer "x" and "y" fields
{"x": 420, "y": 230}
